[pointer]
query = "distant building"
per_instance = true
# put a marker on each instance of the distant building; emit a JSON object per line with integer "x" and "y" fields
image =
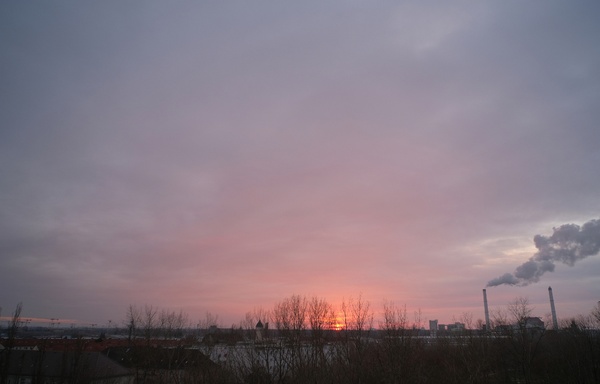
{"x": 259, "y": 331}
{"x": 433, "y": 327}
{"x": 534, "y": 322}
{"x": 456, "y": 327}
{"x": 527, "y": 323}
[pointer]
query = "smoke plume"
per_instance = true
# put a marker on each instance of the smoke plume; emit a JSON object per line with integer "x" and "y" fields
{"x": 568, "y": 244}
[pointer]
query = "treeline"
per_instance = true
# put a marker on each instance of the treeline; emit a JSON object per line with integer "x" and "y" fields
{"x": 307, "y": 340}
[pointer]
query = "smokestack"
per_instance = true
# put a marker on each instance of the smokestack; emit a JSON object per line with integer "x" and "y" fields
{"x": 554, "y": 320}
{"x": 487, "y": 312}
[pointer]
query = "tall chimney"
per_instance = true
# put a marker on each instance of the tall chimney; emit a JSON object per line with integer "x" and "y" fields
{"x": 487, "y": 312}
{"x": 554, "y": 320}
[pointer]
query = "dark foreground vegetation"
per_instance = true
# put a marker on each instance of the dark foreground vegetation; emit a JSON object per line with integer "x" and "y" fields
{"x": 302, "y": 345}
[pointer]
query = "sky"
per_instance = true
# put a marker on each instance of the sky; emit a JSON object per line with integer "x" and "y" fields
{"x": 220, "y": 156}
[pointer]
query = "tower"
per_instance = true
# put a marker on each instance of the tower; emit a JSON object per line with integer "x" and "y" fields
{"x": 553, "y": 310}
{"x": 259, "y": 331}
{"x": 487, "y": 312}
{"x": 433, "y": 327}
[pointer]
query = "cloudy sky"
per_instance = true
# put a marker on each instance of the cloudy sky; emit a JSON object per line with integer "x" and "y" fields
{"x": 223, "y": 155}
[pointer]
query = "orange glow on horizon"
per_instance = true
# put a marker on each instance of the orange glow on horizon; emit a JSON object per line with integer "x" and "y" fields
{"x": 336, "y": 324}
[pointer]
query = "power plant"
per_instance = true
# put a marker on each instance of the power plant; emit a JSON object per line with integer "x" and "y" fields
{"x": 552, "y": 309}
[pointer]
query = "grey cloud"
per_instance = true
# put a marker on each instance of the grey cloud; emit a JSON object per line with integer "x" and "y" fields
{"x": 128, "y": 130}
{"x": 568, "y": 244}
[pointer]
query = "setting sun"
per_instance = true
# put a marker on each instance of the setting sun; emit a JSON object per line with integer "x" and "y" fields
{"x": 336, "y": 324}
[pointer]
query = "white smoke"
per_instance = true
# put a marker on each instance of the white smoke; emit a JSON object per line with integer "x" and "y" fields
{"x": 568, "y": 244}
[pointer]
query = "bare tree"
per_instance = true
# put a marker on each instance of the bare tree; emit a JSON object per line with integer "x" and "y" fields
{"x": 266, "y": 357}
{"x": 133, "y": 320}
{"x": 171, "y": 323}
{"x": 149, "y": 322}
{"x": 15, "y": 322}
{"x": 499, "y": 319}
{"x": 395, "y": 319}
{"x": 418, "y": 322}
{"x": 209, "y": 321}
{"x": 12, "y": 330}
{"x": 401, "y": 351}
{"x": 595, "y": 315}
{"x": 467, "y": 319}
{"x": 320, "y": 317}
{"x": 357, "y": 318}
{"x": 290, "y": 317}
{"x": 520, "y": 310}
{"x": 521, "y": 345}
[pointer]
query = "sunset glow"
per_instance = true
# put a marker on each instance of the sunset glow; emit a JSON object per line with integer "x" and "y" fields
{"x": 337, "y": 324}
